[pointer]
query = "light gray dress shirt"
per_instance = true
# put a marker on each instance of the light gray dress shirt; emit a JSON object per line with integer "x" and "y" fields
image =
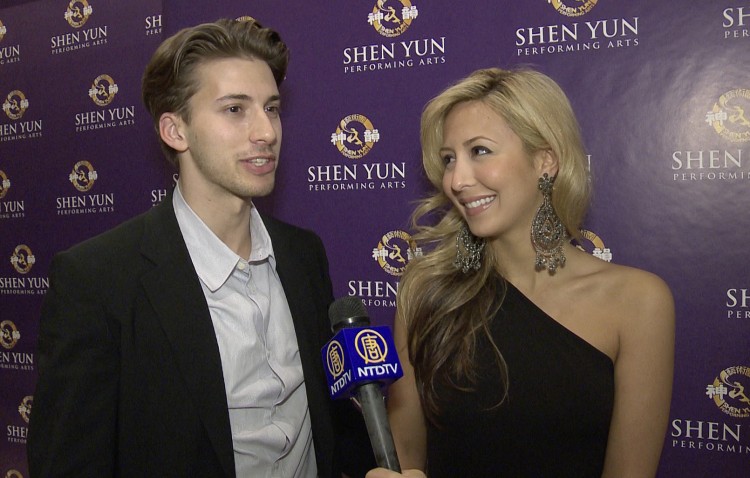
{"x": 265, "y": 388}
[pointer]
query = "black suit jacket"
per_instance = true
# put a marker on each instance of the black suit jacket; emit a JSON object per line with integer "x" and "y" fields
{"x": 130, "y": 379}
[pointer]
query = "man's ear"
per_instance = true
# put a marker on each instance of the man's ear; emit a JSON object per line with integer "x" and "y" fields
{"x": 171, "y": 131}
{"x": 547, "y": 162}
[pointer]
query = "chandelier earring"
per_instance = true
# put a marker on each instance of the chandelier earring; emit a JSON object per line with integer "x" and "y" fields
{"x": 468, "y": 250}
{"x": 547, "y": 231}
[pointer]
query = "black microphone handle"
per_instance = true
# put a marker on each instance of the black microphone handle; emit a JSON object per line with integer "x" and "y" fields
{"x": 370, "y": 399}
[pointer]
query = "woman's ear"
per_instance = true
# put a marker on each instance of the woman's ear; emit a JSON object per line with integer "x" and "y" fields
{"x": 547, "y": 162}
{"x": 171, "y": 131}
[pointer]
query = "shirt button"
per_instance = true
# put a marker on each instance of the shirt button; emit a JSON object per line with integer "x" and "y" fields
{"x": 241, "y": 265}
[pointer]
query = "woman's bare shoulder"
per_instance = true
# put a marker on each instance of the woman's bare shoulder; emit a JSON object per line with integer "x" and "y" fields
{"x": 622, "y": 290}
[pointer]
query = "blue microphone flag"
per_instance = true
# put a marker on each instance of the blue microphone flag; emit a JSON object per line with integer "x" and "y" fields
{"x": 359, "y": 355}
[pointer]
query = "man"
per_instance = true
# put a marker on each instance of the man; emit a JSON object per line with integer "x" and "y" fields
{"x": 186, "y": 341}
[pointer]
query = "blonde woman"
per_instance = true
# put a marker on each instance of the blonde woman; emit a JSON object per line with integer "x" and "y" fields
{"x": 523, "y": 355}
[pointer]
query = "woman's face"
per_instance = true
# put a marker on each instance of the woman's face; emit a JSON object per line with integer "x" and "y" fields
{"x": 488, "y": 175}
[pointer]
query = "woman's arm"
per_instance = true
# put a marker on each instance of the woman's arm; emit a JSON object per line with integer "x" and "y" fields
{"x": 405, "y": 410}
{"x": 643, "y": 380}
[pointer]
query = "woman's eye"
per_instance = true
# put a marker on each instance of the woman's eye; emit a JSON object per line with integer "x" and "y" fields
{"x": 447, "y": 159}
{"x": 479, "y": 150}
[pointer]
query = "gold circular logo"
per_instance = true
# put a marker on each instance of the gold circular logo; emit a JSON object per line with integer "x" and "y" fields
{"x": 9, "y": 334}
{"x": 78, "y": 13}
{"x": 730, "y": 116}
{"x": 597, "y": 249}
{"x": 4, "y": 184}
{"x": 25, "y": 407}
{"x": 392, "y": 18}
{"x": 83, "y": 176}
{"x": 371, "y": 346}
{"x": 568, "y": 11}
{"x": 394, "y": 251}
{"x": 355, "y": 136}
{"x": 22, "y": 259}
{"x": 13, "y": 474}
{"x": 730, "y": 391}
{"x": 3, "y": 31}
{"x": 335, "y": 358}
{"x": 15, "y": 104}
{"x": 103, "y": 90}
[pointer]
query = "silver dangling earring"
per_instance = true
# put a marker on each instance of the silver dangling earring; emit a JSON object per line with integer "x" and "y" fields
{"x": 468, "y": 250}
{"x": 547, "y": 231}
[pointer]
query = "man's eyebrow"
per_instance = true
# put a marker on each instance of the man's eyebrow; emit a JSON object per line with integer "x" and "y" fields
{"x": 244, "y": 97}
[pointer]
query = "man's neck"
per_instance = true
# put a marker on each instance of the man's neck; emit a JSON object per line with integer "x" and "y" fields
{"x": 228, "y": 217}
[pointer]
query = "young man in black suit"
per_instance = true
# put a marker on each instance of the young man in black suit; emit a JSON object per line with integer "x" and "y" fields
{"x": 186, "y": 342}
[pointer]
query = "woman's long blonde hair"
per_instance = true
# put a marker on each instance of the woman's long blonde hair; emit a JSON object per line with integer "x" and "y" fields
{"x": 444, "y": 309}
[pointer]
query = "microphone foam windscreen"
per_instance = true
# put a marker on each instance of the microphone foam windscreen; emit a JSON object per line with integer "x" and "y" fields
{"x": 347, "y": 310}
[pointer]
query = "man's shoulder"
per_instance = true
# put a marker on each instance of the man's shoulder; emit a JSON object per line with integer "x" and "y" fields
{"x": 123, "y": 238}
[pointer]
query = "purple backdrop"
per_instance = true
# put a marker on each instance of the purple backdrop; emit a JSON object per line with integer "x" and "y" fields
{"x": 661, "y": 91}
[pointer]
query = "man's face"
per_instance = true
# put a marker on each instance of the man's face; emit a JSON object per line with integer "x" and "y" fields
{"x": 234, "y": 135}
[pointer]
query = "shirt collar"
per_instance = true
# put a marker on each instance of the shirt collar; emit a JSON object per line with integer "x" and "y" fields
{"x": 213, "y": 260}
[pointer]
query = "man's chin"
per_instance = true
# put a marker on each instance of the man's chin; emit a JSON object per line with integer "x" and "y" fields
{"x": 259, "y": 191}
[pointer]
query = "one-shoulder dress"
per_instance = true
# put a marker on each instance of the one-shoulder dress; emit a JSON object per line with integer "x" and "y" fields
{"x": 555, "y": 419}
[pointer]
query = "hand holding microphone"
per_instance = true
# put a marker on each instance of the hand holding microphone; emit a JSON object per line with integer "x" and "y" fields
{"x": 383, "y": 473}
{"x": 358, "y": 360}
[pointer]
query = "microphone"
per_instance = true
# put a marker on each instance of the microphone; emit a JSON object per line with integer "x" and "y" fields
{"x": 358, "y": 360}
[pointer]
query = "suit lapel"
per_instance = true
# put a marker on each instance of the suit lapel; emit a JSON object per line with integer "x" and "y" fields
{"x": 311, "y": 330}
{"x": 298, "y": 291}
{"x": 175, "y": 293}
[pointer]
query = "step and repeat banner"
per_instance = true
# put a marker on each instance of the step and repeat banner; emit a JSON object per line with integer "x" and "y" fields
{"x": 661, "y": 90}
